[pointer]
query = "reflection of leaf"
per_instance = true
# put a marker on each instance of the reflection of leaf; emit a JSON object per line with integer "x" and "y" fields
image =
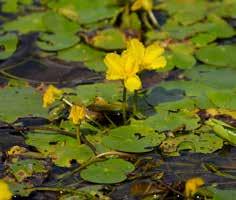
{"x": 8, "y": 45}
{"x": 62, "y": 149}
{"x": 108, "y": 171}
{"x": 55, "y": 42}
{"x": 134, "y": 138}
{"x": 20, "y": 102}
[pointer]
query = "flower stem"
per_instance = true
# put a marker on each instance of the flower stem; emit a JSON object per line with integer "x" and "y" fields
{"x": 135, "y": 99}
{"x": 153, "y": 19}
{"x": 124, "y": 103}
{"x": 78, "y": 134}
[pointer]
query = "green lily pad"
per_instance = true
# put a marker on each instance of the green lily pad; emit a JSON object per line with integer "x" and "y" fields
{"x": 78, "y": 10}
{"x": 10, "y": 6}
{"x": 109, "y": 91}
{"x": 133, "y": 138}
{"x": 26, "y": 168}
{"x": 59, "y": 24}
{"x": 223, "y": 130}
{"x": 109, "y": 171}
{"x": 80, "y": 53}
{"x": 26, "y": 24}
{"x": 26, "y": 102}
{"x": 205, "y": 143}
{"x": 210, "y": 75}
{"x": 8, "y": 44}
{"x": 165, "y": 121}
{"x": 109, "y": 39}
{"x": 222, "y": 55}
{"x": 62, "y": 149}
{"x": 202, "y": 39}
{"x": 55, "y": 42}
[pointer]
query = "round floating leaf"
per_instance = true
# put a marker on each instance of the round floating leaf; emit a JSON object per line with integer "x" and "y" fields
{"x": 223, "y": 99}
{"x": 20, "y": 102}
{"x": 109, "y": 39}
{"x": 8, "y": 44}
{"x": 203, "y": 39}
{"x": 55, "y": 42}
{"x": 25, "y": 24}
{"x": 80, "y": 53}
{"x": 86, "y": 12}
{"x": 205, "y": 143}
{"x": 165, "y": 121}
{"x": 59, "y": 24}
{"x": 62, "y": 149}
{"x": 210, "y": 75}
{"x": 26, "y": 168}
{"x": 108, "y": 171}
{"x": 108, "y": 91}
{"x": 133, "y": 138}
{"x": 218, "y": 55}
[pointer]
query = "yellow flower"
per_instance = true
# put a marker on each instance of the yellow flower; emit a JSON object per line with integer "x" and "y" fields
{"x": 5, "y": 193}
{"x": 192, "y": 185}
{"x": 50, "y": 95}
{"x": 77, "y": 114}
{"x": 145, "y": 4}
{"x": 149, "y": 58}
{"x": 123, "y": 67}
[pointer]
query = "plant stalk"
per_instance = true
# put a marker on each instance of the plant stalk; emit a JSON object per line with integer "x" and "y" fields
{"x": 124, "y": 103}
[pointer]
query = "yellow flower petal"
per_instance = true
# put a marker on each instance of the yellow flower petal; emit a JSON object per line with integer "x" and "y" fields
{"x": 158, "y": 63}
{"x": 50, "y": 95}
{"x": 114, "y": 64}
{"x": 77, "y": 114}
{"x": 133, "y": 83}
{"x": 152, "y": 52}
{"x": 145, "y": 4}
{"x": 136, "y": 49}
{"x": 130, "y": 66}
{"x": 192, "y": 186}
{"x": 5, "y": 193}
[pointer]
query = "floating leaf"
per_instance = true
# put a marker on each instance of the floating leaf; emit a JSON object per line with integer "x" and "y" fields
{"x": 222, "y": 55}
{"x": 26, "y": 102}
{"x": 55, "y": 42}
{"x": 59, "y": 24}
{"x": 26, "y": 168}
{"x": 134, "y": 138}
{"x": 223, "y": 130}
{"x": 62, "y": 149}
{"x": 223, "y": 99}
{"x": 205, "y": 143}
{"x": 210, "y": 75}
{"x": 78, "y": 10}
{"x": 108, "y": 91}
{"x": 25, "y": 24}
{"x": 8, "y": 44}
{"x": 80, "y": 53}
{"x": 107, "y": 172}
{"x": 202, "y": 39}
{"x": 109, "y": 39}
{"x": 165, "y": 121}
